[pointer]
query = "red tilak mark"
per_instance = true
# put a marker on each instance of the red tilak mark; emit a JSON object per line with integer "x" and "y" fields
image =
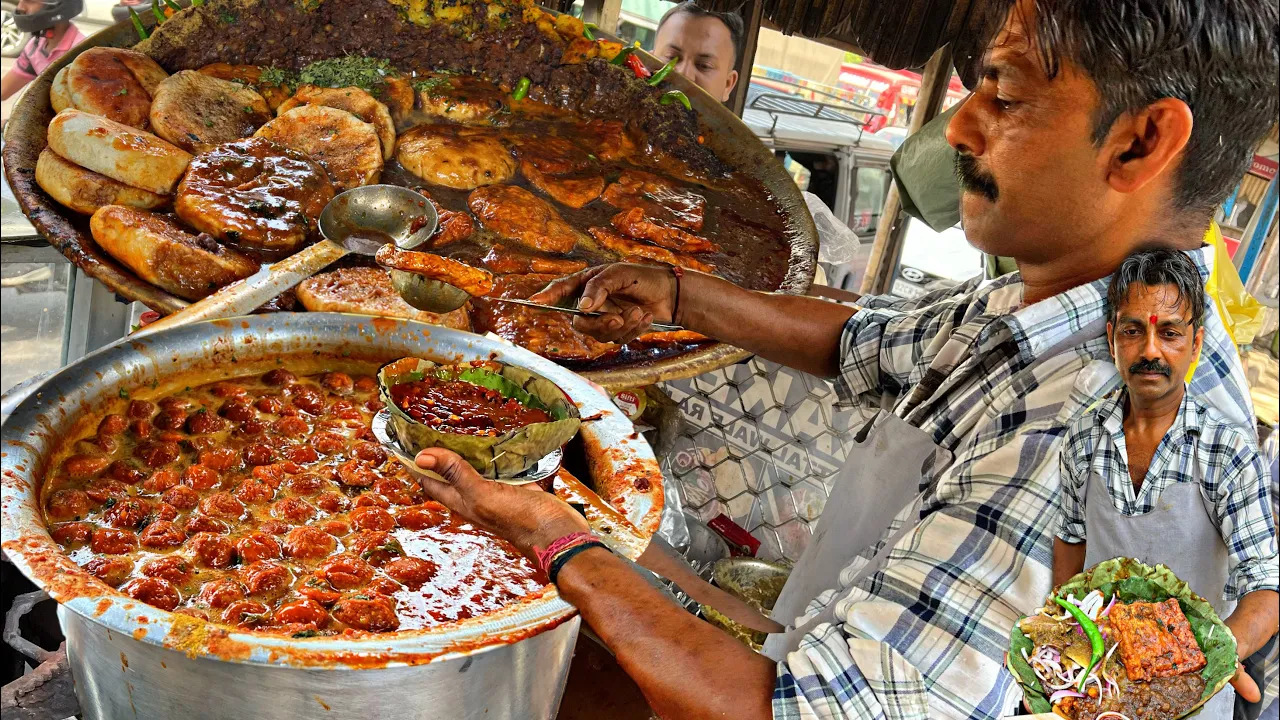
{"x": 1153, "y": 319}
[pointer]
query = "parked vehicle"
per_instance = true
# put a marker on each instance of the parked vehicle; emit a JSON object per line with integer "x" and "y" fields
{"x": 12, "y": 40}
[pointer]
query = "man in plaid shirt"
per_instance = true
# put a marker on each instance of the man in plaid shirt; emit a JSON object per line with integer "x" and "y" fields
{"x": 1154, "y": 474}
{"x": 1097, "y": 129}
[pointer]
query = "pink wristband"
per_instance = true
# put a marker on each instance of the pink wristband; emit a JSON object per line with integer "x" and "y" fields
{"x": 559, "y": 545}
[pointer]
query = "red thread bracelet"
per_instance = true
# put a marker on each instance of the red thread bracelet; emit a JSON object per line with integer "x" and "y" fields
{"x": 559, "y": 545}
{"x": 677, "y": 272}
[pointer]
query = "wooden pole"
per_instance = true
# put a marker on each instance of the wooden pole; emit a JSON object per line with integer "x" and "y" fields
{"x": 893, "y": 225}
{"x": 604, "y": 13}
{"x": 752, "y": 10}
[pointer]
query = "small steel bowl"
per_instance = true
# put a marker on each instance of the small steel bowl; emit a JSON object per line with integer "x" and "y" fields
{"x": 426, "y": 293}
{"x": 382, "y": 430}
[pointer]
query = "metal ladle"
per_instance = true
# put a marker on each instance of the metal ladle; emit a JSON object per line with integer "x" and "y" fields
{"x": 363, "y": 219}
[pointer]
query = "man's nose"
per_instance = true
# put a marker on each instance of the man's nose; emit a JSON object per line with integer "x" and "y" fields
{"x": 964, "y": 130}
{"x": 686, "y": 68}
{"x": 1151, "y": 348}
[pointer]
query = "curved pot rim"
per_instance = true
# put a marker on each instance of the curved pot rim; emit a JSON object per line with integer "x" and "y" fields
{"x": 35, "y": 430}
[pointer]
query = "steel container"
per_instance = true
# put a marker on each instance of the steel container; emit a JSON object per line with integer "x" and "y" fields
{"x": 133, "y": 660}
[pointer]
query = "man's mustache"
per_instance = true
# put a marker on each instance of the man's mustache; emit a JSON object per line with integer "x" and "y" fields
{"x": 1150, "y": 366}
{"x": 975, "y": 179}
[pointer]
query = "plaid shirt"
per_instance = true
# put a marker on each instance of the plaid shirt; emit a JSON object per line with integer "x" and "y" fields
{"x": 1230, "y": 470}
{"x": 924, "y": 637}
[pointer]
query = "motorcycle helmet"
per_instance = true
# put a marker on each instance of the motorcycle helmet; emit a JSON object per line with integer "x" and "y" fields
{"x": 51, "y": 13}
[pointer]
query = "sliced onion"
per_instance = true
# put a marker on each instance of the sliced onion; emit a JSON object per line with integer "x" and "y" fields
{"x": 1064, "y": 694}
{"x": 1111, "y": 715}
{"x": 1109, "y": 606}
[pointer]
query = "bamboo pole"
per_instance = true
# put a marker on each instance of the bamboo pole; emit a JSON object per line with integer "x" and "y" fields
{"x": 892, "y": 227}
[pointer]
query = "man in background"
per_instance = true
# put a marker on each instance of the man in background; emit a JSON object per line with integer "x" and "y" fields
{"x": 50, "y": 22}
{"x": 1154, "y": 474}
{"x": 706, "y": 45}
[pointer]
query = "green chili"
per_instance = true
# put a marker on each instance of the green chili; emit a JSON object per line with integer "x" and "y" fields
{"x": 664, "y": 72}
{"x": 1091, "y": 631}
{"x": 587, "y": 30}
{"x": 155, "y": 10}
{"x": 137, "y": 24}
{"x": 676, "y": 96}
{"x": 522, "y": 89}
{"x": 197, "y": 3}
{"x": 173, "y": 5}
{"x": 622, "y": 55}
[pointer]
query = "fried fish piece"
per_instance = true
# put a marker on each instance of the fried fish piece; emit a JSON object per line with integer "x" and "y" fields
{"x": 633, "y": 222}
{"x": 453, "y": 226}
{"x": 115, "y": 83}
{"x": 660, "y": 199}
{"x": 474, "y": 281}
{"x": 251, "y": 75}
{"x": 345, "y": 145}
{"x": 634, "y": 250}
{"x": 518, "y": 214}
{"x": 545, "y": 332}
{"x": 502, "y": 259}
{"x": 161, "y": 252}
{"x": 1155, "y": 640}
{"x": 255, "y": 194}
{"x": 121, "y": 152}
{"x": 195, "y": 111}
{"x": 454, "y": 157}
{"x": 550, "y": 154}
{"x": 84, "y": 191}
{"x": 574, "y": 192}
{"x": 353, "y": 100}
{"x": 368, "y": 291}
{"x": 608, "y": 140}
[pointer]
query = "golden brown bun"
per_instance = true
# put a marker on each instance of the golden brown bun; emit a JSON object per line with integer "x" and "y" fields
{"x": 161, "y": 252}
{"x": 195, "y": 111}
{"x": 59, "y": 96}
{"x": 118, "y": 151}
{"x": 368, "y": 291}
{"x": 84, "y": 190}
{"x": 457, "y": 158}
{"x": 113, "y": 82}
{"x": 353, "y": 100}
{"x": 345, "y": 145}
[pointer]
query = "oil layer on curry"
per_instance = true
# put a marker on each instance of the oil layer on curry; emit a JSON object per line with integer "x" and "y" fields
{"x": 264, "y": 502}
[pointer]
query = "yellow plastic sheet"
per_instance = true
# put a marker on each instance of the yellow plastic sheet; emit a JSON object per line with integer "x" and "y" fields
{"x": 1240, "y": 313}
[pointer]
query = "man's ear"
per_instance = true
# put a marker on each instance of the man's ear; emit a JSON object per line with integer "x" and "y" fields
{"x": 729, "y": 85}
{"x": 1144, "y": 145}
{"x": 1111, "y": 343}
{"x": 1199, "y": 342}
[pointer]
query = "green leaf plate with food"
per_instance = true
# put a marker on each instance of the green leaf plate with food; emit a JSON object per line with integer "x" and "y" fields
{"x": 1122, "y": 641}
{"x": 500, "y": 418}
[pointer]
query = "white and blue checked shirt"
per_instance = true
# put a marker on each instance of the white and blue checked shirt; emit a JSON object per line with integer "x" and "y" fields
{"x": 924, "y": 637}
{"x": 1230, "y": 470}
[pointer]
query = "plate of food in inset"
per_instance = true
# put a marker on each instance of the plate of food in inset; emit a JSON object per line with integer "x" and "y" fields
{"x": 1122, "y": 641}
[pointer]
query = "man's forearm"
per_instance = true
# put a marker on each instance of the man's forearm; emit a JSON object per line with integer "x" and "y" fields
{"x": 796, "y": 331}
{"x": 1068, "y": 559}
{"x": 1254, "y": 621}
{"x": 685, "y": 667}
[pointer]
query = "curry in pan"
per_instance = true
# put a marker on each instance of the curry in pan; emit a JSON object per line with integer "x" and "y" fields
{"x": 212, "y": 147}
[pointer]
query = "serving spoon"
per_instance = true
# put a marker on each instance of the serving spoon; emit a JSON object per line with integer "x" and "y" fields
{"x": 360, "y": 221}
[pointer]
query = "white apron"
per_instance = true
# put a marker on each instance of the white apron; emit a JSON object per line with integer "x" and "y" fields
{"x": 1180, "y": 533}
{"x": 881, "y": 476}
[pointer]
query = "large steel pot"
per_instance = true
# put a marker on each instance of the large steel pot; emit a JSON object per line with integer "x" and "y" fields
{"x": 726, "y": 134}
{"x": 134, "y": 660}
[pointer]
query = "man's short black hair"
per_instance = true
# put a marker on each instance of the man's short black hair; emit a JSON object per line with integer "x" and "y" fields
{"x": 1155, "y": 267}
{"x": 737, "y": 31}
{"x": 1220, "y": 57}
